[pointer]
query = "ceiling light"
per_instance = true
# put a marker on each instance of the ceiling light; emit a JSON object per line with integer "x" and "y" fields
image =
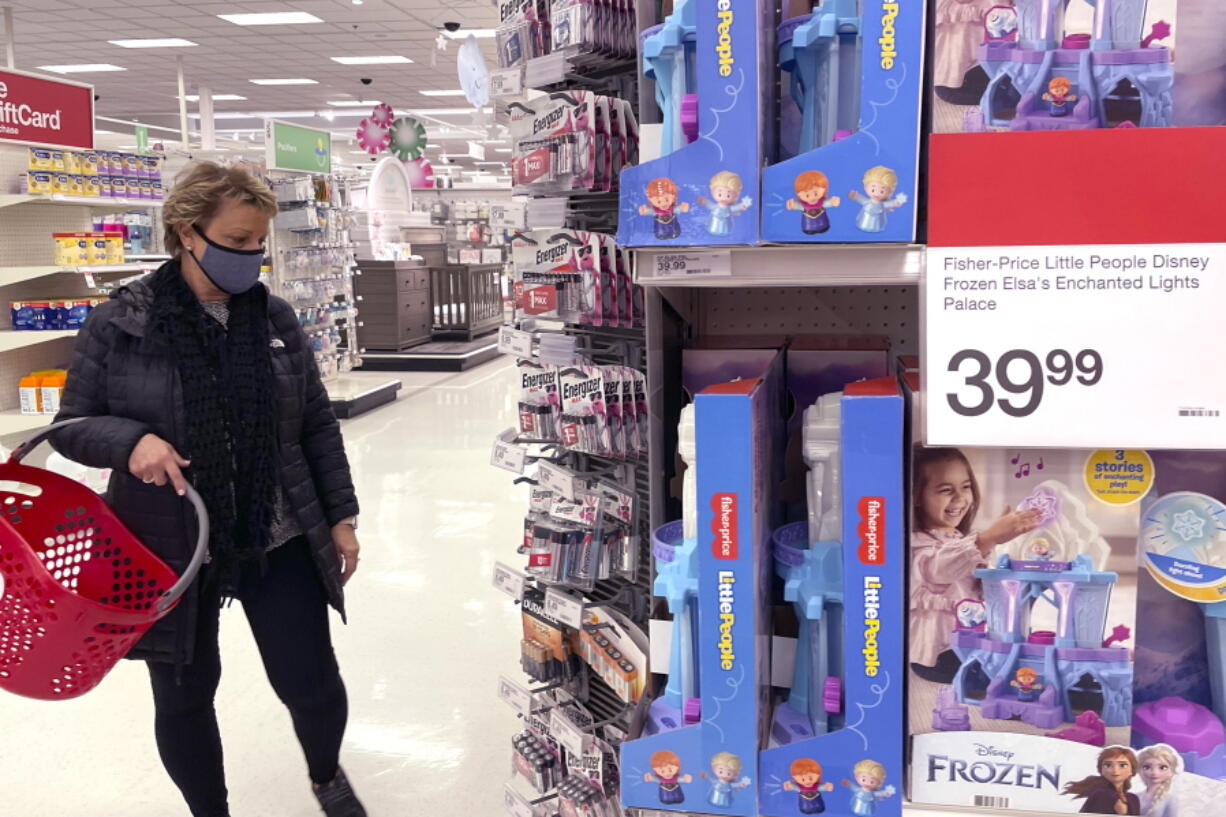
{"x": 217, "y": 98}
{"x": 452, "y": 92}
{"x": 81, "y": 69}
{"x": 502, "y": 150}
{"x": 465, "y": 33}
{"x": 354, "y": 103}
{"x": 277, "y": 18}
{"x": 297, "y": 81}
{"x": 449, "y": 111}
{"x": 396, "y": 60}
{"x": 433, "y": 146}
{"x": 329, "y": 115}
{"x": 498, "y": 164}
{"x": 166, "y": 42}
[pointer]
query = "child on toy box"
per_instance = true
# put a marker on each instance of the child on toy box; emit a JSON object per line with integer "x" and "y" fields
{"x": 807, "y": 782}
{"x": 1107, "y": 792}
{"x": 945, "y": 551}
{"x": 867, "y": 787}
{"x": 1159, "y": 765}
{"x": 811, "y": 189}
{"x": 662, "y": 193}
{"x": 726, "y": 187}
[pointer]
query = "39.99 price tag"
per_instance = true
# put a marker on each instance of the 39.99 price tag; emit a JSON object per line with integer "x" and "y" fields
{"x": 689, "y": 265}
{"x": 564, "y": 608}
{"x": 572, "y": 738}
{"x": 1074, "y": 346}
{"x": 514, "y": 695}
{"x": 509, "y": 580}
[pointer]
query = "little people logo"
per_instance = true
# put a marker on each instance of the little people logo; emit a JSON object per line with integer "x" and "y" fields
{"x": 723, "y": 525}
{"x": 872, "y": 530}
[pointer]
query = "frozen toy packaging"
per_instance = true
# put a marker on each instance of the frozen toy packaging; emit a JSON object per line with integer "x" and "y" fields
{"x": 1062, "y": 658}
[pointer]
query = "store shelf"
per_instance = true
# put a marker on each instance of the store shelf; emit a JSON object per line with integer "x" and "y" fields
{"x": 14, "y": 422}
{"x": 16, "y": 275}
{"x": 11, "y": 339}
{"x": 93, "y": 202}
{"x": 793, "y": 265}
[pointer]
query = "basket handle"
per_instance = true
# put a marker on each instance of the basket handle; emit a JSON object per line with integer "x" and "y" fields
{"x": 202, "y": 517}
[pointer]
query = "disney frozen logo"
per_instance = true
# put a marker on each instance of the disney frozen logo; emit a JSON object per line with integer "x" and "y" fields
{"x": 995, "y": 767}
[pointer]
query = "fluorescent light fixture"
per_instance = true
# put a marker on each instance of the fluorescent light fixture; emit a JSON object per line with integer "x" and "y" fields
{"x": 276, "y": 18}
{"x": 395, "y": 60}
{"x": 452, "y": 92}
{"x": 448, "y": 111}
{"x": 354, "y": 103}
{"x": 465, "y": 33}
{"x": 496, "y": 164}
{"x": 164, "y": 42}
{"x": 217, "y": 98}
{"x": 83, "y": 68}
{"x": 329, "y": 115}
{"x": 290, "y": 81}
{"x": 502, "y": 150}
{"x": 433, "y": 146}
{"x": 260, "y": 115}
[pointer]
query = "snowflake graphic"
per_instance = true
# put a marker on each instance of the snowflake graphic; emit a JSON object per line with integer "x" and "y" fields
{"x": 1188, "y": 525}
{"x": 1045, "y": 502}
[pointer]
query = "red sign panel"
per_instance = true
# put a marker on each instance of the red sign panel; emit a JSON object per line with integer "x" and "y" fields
{"x": 40, "y": 111}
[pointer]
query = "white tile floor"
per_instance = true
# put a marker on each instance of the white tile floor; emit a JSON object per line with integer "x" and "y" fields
{"x": 426, "y": 641}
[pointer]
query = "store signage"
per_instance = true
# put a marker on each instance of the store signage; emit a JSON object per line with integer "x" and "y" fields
{"x": 514, "y": 695}
{"x": 36, "y": 110}
{"x": 507, "y": 82}
{"x": 509, "y": 580}
{"x": 507, "y": 455}
{"x": 295, "y": 148}
{"x": 515, "y": 803}
{"x": 1103, "y": 346}
{"x": 687, "y": 265}
{"x": 564, "y": 608}
{"x": 571, "y": 737}
{"x": 512, "y": 341}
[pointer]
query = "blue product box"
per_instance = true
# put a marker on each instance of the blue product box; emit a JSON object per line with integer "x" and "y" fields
{"x": 858, "y": 769}
{"x": 704, "y": 192}
{"x": 861, "y": 187}
{"x": 710, "y": 766}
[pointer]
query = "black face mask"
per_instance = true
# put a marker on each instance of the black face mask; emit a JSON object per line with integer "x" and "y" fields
{"x": 230, "y": 270}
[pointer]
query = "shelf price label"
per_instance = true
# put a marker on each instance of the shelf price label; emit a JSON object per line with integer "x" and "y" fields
{"x": 691, "y": 265}
{"x": 564, "y": 608}
{"x": 509, "y": 580}
{"x": 1074, "y": 346}
{"x": 512, "y": 341}
{"x": 557, "y": 479}
{"x": 514, "y": 695}
{"x": 507, "y": 454}
{"x": 515, "y": 803}
{"x": 571, "y": 737}
{"x": 507, "y": 82}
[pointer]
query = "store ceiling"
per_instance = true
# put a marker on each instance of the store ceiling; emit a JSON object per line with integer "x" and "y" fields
{"x": 227, "y": 56}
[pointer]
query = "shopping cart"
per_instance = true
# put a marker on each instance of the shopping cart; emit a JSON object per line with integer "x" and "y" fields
{"x": 77, "y": 589}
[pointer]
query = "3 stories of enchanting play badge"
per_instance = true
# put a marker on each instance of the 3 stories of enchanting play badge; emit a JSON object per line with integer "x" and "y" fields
{"x": 1076, "y": 346}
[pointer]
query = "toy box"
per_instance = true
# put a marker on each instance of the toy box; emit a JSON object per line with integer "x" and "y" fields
{"x": 707, "y": 60}
{"x": 850, "y": 120}
{"x": 1060, "y": 65}
{"x": 699, "y": 749}
{"x": 1042, "y": 650}
{"x": 836, "y": 740}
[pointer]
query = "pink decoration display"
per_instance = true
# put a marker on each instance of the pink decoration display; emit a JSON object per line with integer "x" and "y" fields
{"x": 383, "y": 115}
{"x": 373, "y": 138}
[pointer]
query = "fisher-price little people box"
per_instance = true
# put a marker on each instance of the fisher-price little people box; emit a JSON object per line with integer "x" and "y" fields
{"x": 1053, "y": 665}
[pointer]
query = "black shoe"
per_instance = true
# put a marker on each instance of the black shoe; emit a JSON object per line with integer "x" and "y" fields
{"x": 943, "y": 673}
{"x": 974, "y": 83}
{"x": 337, "y": 798}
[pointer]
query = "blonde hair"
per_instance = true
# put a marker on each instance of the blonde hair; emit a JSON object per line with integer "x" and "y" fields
{"x": 727, "y": 759}
{"x": 728, "y": 179}
{"x": 882, "y": 175}
{"x": 198, "y": 191}
{"x": 1164, "y": 753}
{"x": 869, "y": 767}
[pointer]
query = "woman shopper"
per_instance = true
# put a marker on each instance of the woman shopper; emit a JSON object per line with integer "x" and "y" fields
{"x": 196, "y": 373}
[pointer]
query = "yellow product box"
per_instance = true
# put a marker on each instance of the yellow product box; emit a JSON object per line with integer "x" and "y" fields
{"x": 76, "y": 185}
{"x": 92, "y": 186}
{"x": 40, "y": 159}
{"x": 133, "y": 165}
{"x": 61, "y": 183}
{"x": 57, "y": 160}
{"x": 114, "y": 248}
{"x": 99, "y": 248}
{"x": 89, "y": 163}
{"x": 40, "y": 181}
{"x": 72, "y": 162}
{"x": 72, "y": 249}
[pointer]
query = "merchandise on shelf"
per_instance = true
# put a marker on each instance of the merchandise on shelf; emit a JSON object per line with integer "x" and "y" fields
{"x": 55, "y": 313}
{"x": 1043, "y": 65}
{"x": 574, "y": 276}
{"x": 1070, "y": 633}
{"x": 570, "y": 141}
{"x": 849, "y": 124}
{"x": 523, "y": 32}
{"x": 93, "y": 174}
{"x": 40, "y": 392}
{"x": 84, "y": 249}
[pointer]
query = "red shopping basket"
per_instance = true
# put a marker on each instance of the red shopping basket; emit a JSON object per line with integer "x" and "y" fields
{"x": 77, "y": 589}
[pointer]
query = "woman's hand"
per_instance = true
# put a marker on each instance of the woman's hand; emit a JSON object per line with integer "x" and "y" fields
{"x": 155, "y": 461}
{"x": 345, "y": 538}
{"x": 1009, "y": 526}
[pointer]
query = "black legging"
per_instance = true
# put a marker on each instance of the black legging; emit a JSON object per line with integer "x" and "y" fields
{"x": 288, "y": 614}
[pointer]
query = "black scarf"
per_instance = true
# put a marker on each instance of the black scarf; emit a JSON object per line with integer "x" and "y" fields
{"x": 227, "y": 382}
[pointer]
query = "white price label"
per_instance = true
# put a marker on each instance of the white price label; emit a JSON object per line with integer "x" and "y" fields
{"x": 514, "y": 695}
{"x": 571, "y": 737}
{"x": 509, "y": 580}
{"x": 507, "y": 455}
{"x": 691, "y": 265}
{"x": 1074, "y": 347}
{"x": 512, "y": 341}
{"x": 507, "y": 82}
{"x": 564, "y": 608}
{"x": 516, "y": 805}
{"x": 557, "y": 479}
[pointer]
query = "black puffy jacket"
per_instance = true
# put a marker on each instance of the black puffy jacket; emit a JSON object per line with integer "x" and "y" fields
{"x": 130, "y": 387}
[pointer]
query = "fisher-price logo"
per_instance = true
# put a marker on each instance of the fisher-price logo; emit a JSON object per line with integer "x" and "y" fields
{"x": 871, "y": 530}
{"x": 723, "y": 525}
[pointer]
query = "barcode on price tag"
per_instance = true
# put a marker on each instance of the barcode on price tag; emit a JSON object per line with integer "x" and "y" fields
{"x": 507, "y": 82}
{"x": 509, "y": 580}
{"x": 564, "y": 608}
{"x": 516, "y": 805}
{"x": 557, "y": 479}
{"x": 507, "y": 455}
{"x": 512, "y": 341}
{"x": 514, "y": 695}
{"x": 692, "y": 265}
{"x": 572, "y": 738}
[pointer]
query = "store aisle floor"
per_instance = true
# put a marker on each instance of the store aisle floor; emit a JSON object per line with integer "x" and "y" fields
{"x": 426, "y": 640}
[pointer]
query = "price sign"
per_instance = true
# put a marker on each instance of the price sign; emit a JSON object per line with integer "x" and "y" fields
{"x": 557, "y": 479}
{"x": 512, "y": 341}
{"x": 1079, "y": 347}
{"x": 507, "y": 455}
{"x": 507, "y": 82}
{"x": 690, "y": 265}
{"x": 509, "y": 580}
{"x": 515, "y": 696}
{"x": 516, "y": 805}
{"x": 564, "y": 608}
{"x": 572, "y": 738}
